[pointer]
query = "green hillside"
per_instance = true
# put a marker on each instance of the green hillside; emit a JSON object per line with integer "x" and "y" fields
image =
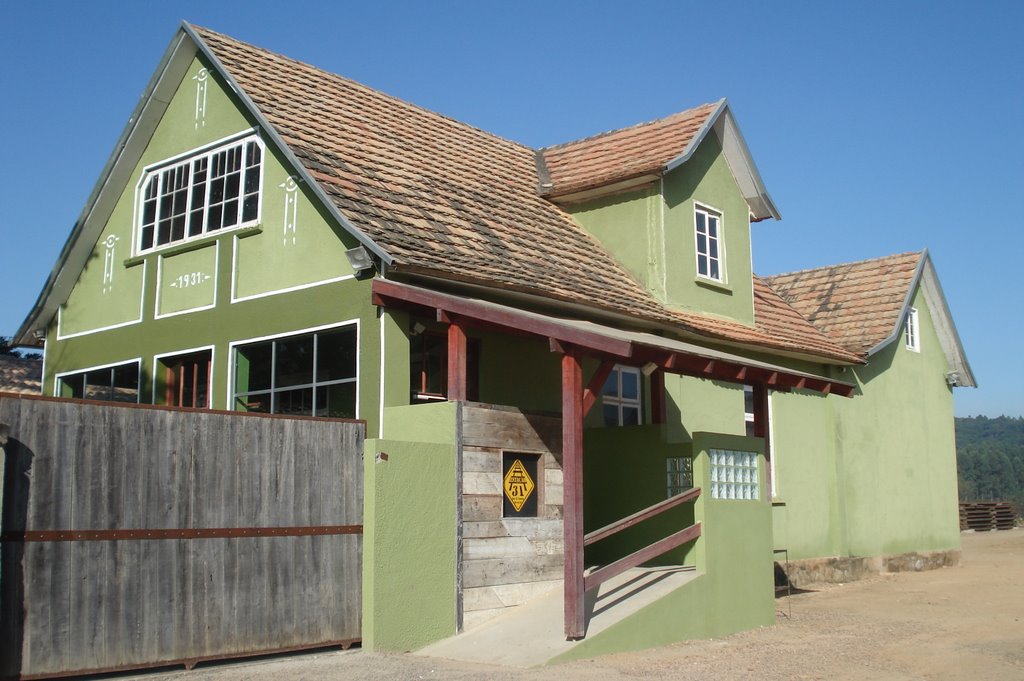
{"x": 990, "y": 459}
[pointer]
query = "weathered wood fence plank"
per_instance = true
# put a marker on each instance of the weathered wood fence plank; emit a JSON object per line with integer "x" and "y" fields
{"x": 104, "y": 602}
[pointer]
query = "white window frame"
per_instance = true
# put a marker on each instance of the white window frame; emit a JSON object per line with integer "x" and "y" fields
{"x": 748, "y": 418}
{"x": 158, "y": 173}
{"x": 617, "y": 400}
{"x": 717, "y": 241}
{"x": 58, "y": 379}
{"x": 913, "y": 330}
{"x": 234, "y": 346}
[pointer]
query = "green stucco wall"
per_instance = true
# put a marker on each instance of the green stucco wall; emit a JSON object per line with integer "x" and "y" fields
{"x": 629, "y": 225}
{"x": 624, "y": 472}
{"x": 409, "y": 542}
{"x": 897, "y": 451}
{"x": 226, "y": 287}
{"x": 734, "y": 590}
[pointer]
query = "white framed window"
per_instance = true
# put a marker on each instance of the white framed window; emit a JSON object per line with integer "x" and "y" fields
{"x": 913, "y": 331}
{"x": 309, "y": 374}
{"x": 200, "y": 193}
{"x": 620, "y": 397}
{"x": 748, "y": 426}
{"x": 708, "y": 233}
{"x": 109, "y": 383}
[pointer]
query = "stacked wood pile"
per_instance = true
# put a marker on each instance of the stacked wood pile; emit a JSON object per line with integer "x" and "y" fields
{"x": 982, "y": 516}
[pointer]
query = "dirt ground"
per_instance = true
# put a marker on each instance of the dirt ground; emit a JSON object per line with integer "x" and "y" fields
{"x": 956, "y": 623}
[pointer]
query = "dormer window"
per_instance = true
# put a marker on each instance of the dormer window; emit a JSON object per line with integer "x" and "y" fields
{"x": 708, "y": 231}
{"x": 205, "y": 191}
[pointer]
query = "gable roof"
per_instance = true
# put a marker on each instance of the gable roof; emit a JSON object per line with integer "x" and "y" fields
{"x": 863, "y": 305}
{"x": 630, "y": 156}
{"x": 430, "y": 196}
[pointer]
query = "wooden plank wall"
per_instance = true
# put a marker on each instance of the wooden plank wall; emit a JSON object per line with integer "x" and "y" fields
{"x": 83, "y": 605}
{"x": 507, "y": 561}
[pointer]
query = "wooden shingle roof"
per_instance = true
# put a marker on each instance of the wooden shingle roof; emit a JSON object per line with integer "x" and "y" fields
{"x": 21, "y": 375}
{"x": 857, "y": 304}
{"x": 444, "y": 199}
{"x": 621, "y": 154}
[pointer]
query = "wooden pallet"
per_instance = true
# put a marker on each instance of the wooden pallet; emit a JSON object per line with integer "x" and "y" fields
{"x": 983, "y": 516}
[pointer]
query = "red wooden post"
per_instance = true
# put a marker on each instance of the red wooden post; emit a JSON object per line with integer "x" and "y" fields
{"x": 456, "y": 361}
{"x": 572, "y": 479}
{"x": 658, "y": 396}
{"x": 761, "y": 428}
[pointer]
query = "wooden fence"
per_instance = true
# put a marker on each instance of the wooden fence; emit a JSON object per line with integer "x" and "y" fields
{"x": 141, "y": 537}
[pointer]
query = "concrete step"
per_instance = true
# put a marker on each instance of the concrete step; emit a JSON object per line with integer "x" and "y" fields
{"x": 531, "y": 634}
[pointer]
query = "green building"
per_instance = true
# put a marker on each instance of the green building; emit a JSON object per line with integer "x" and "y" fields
{"x": 541, "y": 343}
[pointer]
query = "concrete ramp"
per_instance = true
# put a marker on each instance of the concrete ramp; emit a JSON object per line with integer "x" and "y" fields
{"x": 531, "y": 634}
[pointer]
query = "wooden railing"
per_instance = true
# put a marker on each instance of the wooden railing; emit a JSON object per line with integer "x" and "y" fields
{"x": 603, "y": 574}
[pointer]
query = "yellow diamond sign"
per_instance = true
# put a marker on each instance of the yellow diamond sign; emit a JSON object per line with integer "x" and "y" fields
{"x": 518, "y": 485}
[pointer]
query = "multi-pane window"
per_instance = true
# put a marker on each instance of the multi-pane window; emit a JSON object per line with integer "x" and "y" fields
{"x": 206, "y": 192}
{"x": 112, "y": 384}
{"x": 312, "y": 374}
{"x": 708, "y": 228}
{"x": 678, "y": 475}
{"x": 620, "y": 397}
{"x": 913, "y": 331}
{"x": 186, "y": 380}
{"x": 733, "y": 474}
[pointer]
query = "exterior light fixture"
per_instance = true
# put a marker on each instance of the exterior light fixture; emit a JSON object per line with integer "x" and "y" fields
{"x": 359, "y": 258}
{"x": 649, "y": 368}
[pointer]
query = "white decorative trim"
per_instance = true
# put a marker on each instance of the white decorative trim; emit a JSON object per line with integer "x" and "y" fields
{"x": 142, "y": 305}
{"x": 159, "y": 284}
{"x": 291, "y": 210}
{"x": 296, "y": 332}
{"x": 187, "y": 351}
{"x": 109, "y": 259}
{"x": 380, "y": 417}
{"x": 202, "y": 80}
{"x": 298, "y": 287}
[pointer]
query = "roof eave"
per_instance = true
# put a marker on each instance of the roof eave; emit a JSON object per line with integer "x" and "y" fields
{"x": 737, "y": 155}
{"x": 45, "y": 307}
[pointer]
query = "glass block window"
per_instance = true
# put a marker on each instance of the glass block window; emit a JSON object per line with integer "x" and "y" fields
{"x": 678, "y": 475}
{"x": 733, "y": 474}
{"x": 205, "y": 192}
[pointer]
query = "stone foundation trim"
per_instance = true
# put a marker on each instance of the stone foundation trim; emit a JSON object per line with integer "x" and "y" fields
{"x": 839, "y": 569}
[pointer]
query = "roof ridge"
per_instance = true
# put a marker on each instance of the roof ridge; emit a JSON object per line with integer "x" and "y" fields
{"x": 607, "y": 133}
{"x": 769, "y": 277}
{"x": 362, "y": 86}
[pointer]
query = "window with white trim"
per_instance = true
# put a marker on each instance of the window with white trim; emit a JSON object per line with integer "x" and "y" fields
{"x": 913, "y": 331}
{"x": 708, "y": 232}
{"x": 312, "y": 374}
{"x": 118, "y": 383}
{"x": 620, "y": 397}
{"x": 208, "y": 191}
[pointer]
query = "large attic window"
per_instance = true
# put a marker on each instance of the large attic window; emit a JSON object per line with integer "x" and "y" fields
{"x": 201, "y": 192}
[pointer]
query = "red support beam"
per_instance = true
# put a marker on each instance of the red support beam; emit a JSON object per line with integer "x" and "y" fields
{"x": 456, "y": 361}
{"x": 762, "y": 428}
{"x": 658, "y": 396}
{"x": 593, "y": 390}
{"x": 572, "y": 479}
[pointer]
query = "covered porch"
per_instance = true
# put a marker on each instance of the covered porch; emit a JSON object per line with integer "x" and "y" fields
{"x": 605, "y": 530}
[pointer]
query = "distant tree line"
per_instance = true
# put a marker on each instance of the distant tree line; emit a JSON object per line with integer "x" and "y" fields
{"x": 990, "y": 459}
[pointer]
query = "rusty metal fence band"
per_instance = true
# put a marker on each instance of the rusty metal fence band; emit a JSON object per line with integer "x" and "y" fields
{"x": 197, "y": 533}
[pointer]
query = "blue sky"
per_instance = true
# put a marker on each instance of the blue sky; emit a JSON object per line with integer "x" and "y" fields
{"x": 879, "y": 127}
